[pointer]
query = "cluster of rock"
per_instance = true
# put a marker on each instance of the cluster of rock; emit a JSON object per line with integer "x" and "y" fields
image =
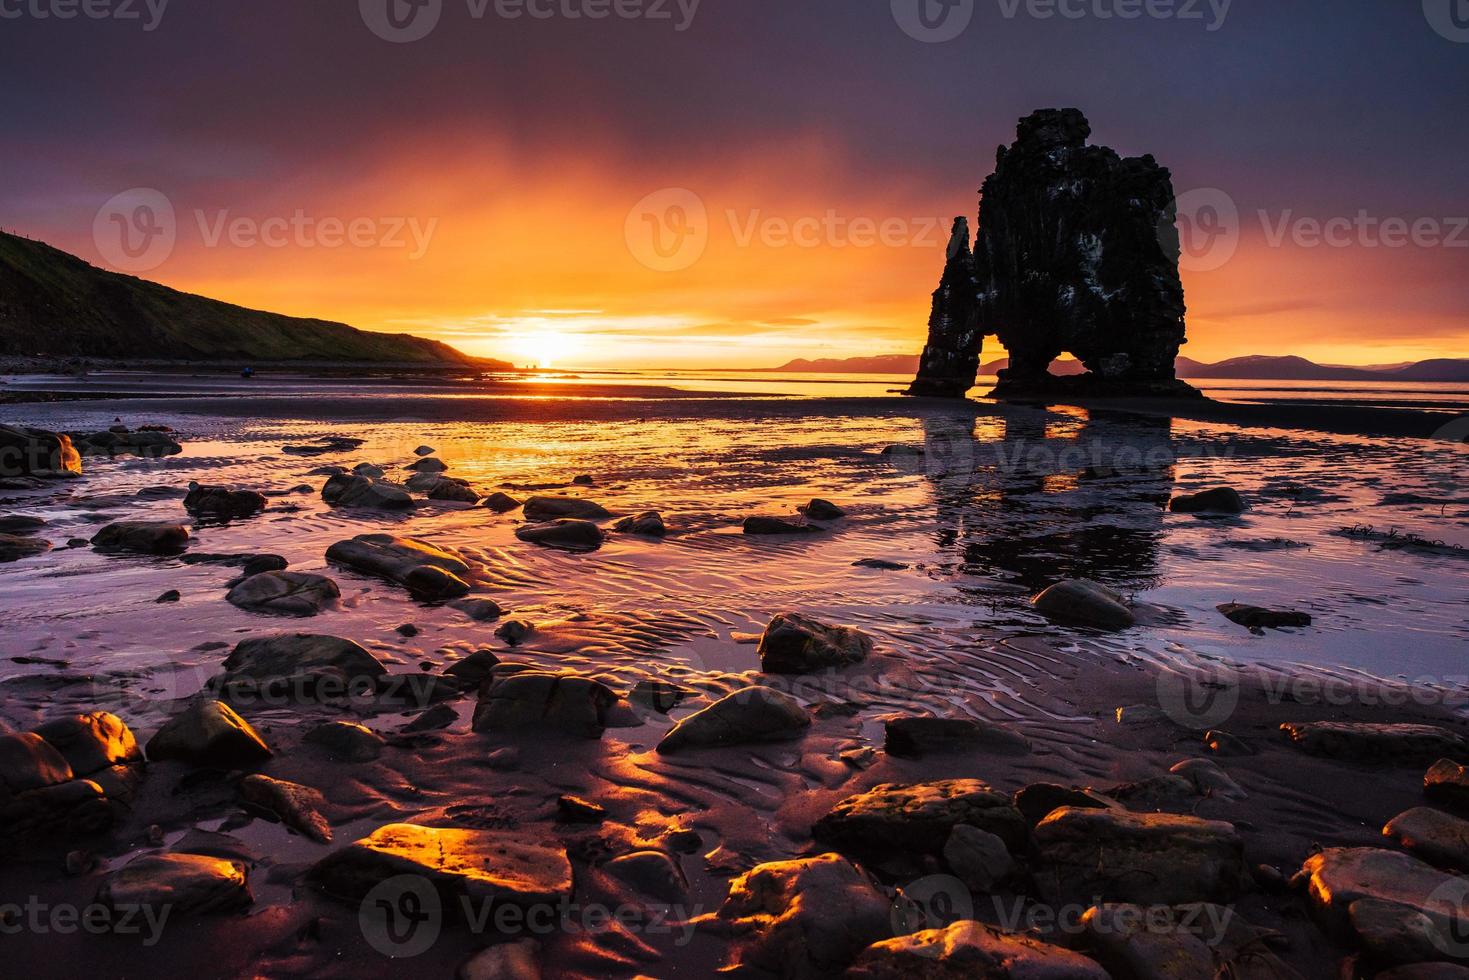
{"x": 1076, "y": 252}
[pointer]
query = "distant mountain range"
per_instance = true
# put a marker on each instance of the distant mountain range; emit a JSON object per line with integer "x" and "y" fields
{"x": 54, "y": 304}
{"x": 1260, "y": 367}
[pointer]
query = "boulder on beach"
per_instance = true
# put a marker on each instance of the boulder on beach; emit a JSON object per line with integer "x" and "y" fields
{"x": 450, "y": 490}
{"x": 362, "y": 491}
{"x": 1447, "y": 782}
{"x": 479, "y": 610}
{"x": 1085, "y": 602}
{"x": 428, "y": 571}
{"x": 551, "y": 508}
{"x": 822, "y": 510}
{"x": 473, "y": 670}
{"x": 1401, "y": 744}
{"x": 797, "y": 644}
{"x": 1257, "y": 618}
{"x": 221, "y": 502}
{"x": 500, "y": 502}
{"x": 648, "y": 524}
{"x": 916, "y": 737}
{"x": 148, "y": 443}
{"x": 209, "y": 733}
{"x": 567, "y": 535}
{"x": 185, "y": 884}
{"x": 299, "y": 666}
{"x": 777, "y": 526}
{"x": 804, "y": 918}
{"x": 28, "y": 452}
{"x": 751, "y": 715}
{"x": 28, "y": 762}
{"x": 1181, "y": 941}
{"x": 978, "y": 858}
{"x": 91, "y": 742}
{"x": 489, "y": 866}
{"x": 1039, "y": 800}
{"x": 1088, "y": 854}
{"x": 428, "y": 464}
{"x": 142, "y": 537}
{"x": 533, "y": 700}
{"x": 1220, "y": 500}
{"x": 21, "y": 524}
{"x": 972, "y": 949}
{"x": 325, "y": 445}
{"x": 14, "y": 547}
{"x": 285, "y": 593}
{"x": 1439, "y": 838}
{"x": 298, "y": 807}
{"x": 346, "y": 741}
{"x": 918, "y": 817}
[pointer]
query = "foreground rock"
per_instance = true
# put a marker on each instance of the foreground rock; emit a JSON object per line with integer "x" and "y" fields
{"x": 1439, "y": 838}
{"x": 748, "y": 716}
{"x": 185, "y": 884}
{"x": 285, "y": 593}
{"x": 972, "y": 949}
{"x": 443, "y": 488}
{"x": 553, "y": 508}
{"x": 1086, "y": 854}
{"x": 918, "y": 818}
{"x": 535, "y": 701}
{"x": 150, "y": 444}
{"x": 568, "y": 535}
{"x": 425, "y": 570}
{"x": 776, "y": 526}
{"x": 142, "y": 537}
{"x": 803, "y": 918}
{"x": 363, "y": 491}
{"x": 65, "y": 780}
{"x": 1087, "y": 602}
{"x": 649, "y": 525}
{"x": 14, "y": 547}
{"x": 299, "y": 666}
{"x": 500, "y": 503}
{"x": 346, "y": 741}
{"x": 1405, "y": 744}
{"x": 1256, "y": 618}
{"x": 1447, "y": 782}
{"x": 27, "y": 452}
{"x": 1177, "y": 943}
{"x": 223, "y": 502}
{"x": 483, "y": 865}
{"x": 209, "y": 733}
{"x": 298, "y": 807}
{"x": 822, "y": 510}
{"x": 1221, "y": 500}
{"x": 918, "y": 737}
{"x": 797, "y": 644}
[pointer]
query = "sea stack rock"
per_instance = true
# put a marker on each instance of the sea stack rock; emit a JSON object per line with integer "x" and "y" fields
{"x": 1077, "y": 252}
{"x": 951, "y": 358}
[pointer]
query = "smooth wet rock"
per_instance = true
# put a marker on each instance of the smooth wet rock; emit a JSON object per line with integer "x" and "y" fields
{"x": 479, "y": 610}
{"x": 443, "y": 488}
{"x": 298, "y": 807}
{"x": 363, "y": 491}
{"x": 21, "y": 524}
{"x": 472, "y": 671}
{"x": 370, "y": 470}
{"x": 424, "y": 451}
{"x": 222, "y": 502}
{"x": 149, "y": 444}
{"x": 534, "y": 701}
{"x": 285, "y": 593}
{"x": 918, "y": 817}
{"x": 1258, "y": 618}
{"x": 300, "y": 666}
{"x": 777, "y": 526}
{"x": 324, "y": 445}
{"x": 823, "y": 510}
{"x": 14, "y": 547}
{"x": 209, "y": 733}
{"x": 29, "y": 762}
{"x": 658, "y": 695}
{"x": 1223, "y": 744}
{"x": 1439, "y": 838}
{"x": 553, "y": 508}
{"x": 972, "y": 950}
{"x": 1400, "y": 744}
{"x": 919, "y": 737}
{"x": 186, "y": 884}
{"x": 1208, "y": 779}
{"x": 1039, "y": 800}
{"x": 428, "y": 464}
{"x": 881, "y": 564}
{"x": 518, "y": 960}
{"x": 650, "y": 873}
{"x": 499, "y": 866}
{"x": 435, "y": 719}
{"x": 748, "y": 716}
{"x": 427, "y": 571}
{"x": 1170, "y": 792}
{"x": 649, "y": 525}
{"x": 804, "y": 918}
{"x": 1085, "y": 854}
{"x": 1447, "y": 782}
{"x": 28, "y": 452}
{"x": 64, "y": 811}
{"x": 91, "y": 742}
{"x": 346, "y": 741}
{"x": 1220, "y": 500}
{"x": 574, "y": 809}
{"x": 142, "y": 537}
{"x": 1180, "y": 942}
{"x": 514, "y": 631}
{"x": 500, "y": 502}
{"x": 797, "y": 644}
{"x": 978, "y": 858}
{"x": 1086, "y": 602}
{"x": 568, "y": 535}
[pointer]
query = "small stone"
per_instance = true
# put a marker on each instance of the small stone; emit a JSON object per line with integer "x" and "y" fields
{"x": 823, "y": 510}
{"x": 514, "y": 631}
{"x": 1086, "y": 602}
{"x": 797, "y": 644}
{"x": 285, "y": 593}
{"x": 1257, "y": 618}
{"x": 14, "y": 547}
{"x": 435, "y": 719}
{"x": 424, "y": 451}
{"x": 172, "y": 595}
{"x": 658, "y": 695}
{"x": 346, "y": 741}
{"x": 186, "y": 884}
{"x": 882, "y": 564}
{"x": 428, "y": 464}
{"x": 1221, "y": 500}
{"x": 80, "y": 862}
{"x": 751, "y": 715}
{"x": 531, "y": 700}
{"x": 298, "y": 807}
{"x": 223, "y": 502}
{"x": 649, "y": 525}
{"x": 556, "y": 508}
{"x": 583, "y": 481}
{"x": 1209, "y": 779}
{"x": 479, "y": 610}
{"x": 776, "y": 526}
{"x": 568, "y": 535}
{"x": 501, "y": 503}
{"x": 425, "y": 570}
{"x": 1221, "y": 743}
{"x": 650, "y": 873}
{"x": 407, "y": 630}
{"x": 1142, "y": 714}
{"x": 362, "y": 491}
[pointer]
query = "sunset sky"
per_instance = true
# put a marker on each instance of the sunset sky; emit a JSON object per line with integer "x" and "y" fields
{"x": 502, "y": 173}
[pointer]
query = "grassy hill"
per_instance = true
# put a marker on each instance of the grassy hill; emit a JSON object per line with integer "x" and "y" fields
{"x": 54, "y": 304}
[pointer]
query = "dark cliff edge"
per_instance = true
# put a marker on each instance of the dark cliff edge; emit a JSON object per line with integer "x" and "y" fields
{"x": 53, "y": 304}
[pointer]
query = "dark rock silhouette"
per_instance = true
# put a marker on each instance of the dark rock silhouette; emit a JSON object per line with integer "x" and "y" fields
{"x": 1076, "y": 253}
